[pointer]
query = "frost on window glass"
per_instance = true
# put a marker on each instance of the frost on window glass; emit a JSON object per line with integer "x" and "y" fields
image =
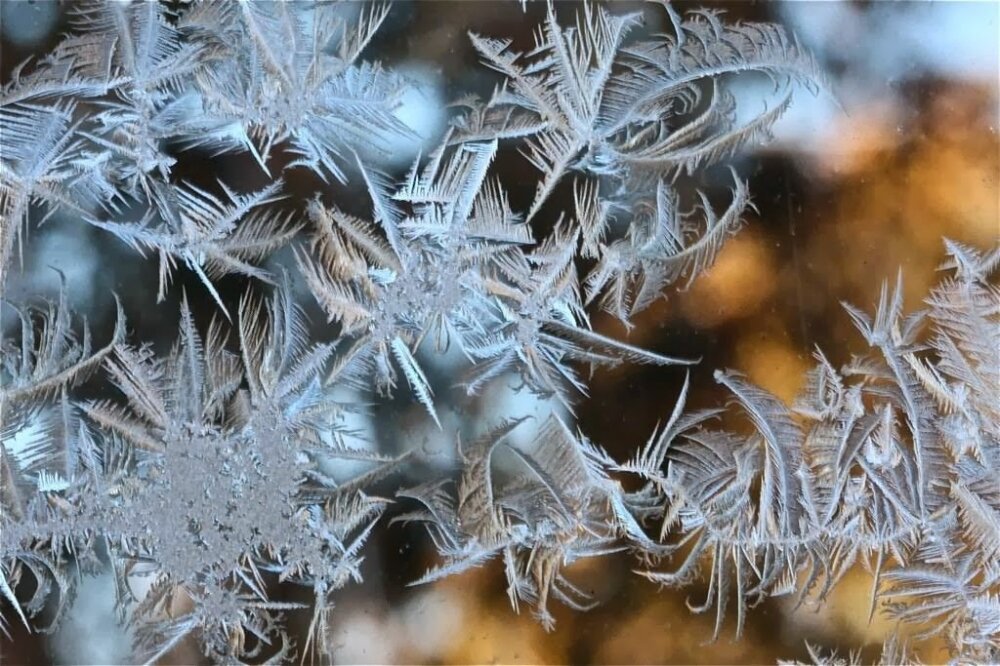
{"x": 518, "y": 332}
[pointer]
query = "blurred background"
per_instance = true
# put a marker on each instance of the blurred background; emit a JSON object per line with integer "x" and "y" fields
{"x": 855, "y": 186}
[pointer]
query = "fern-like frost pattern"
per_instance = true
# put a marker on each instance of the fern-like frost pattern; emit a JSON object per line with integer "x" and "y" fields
{"x": 209, "y": 471}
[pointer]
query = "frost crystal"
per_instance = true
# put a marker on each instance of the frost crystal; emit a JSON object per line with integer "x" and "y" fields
{"x": 210, "y": 471}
